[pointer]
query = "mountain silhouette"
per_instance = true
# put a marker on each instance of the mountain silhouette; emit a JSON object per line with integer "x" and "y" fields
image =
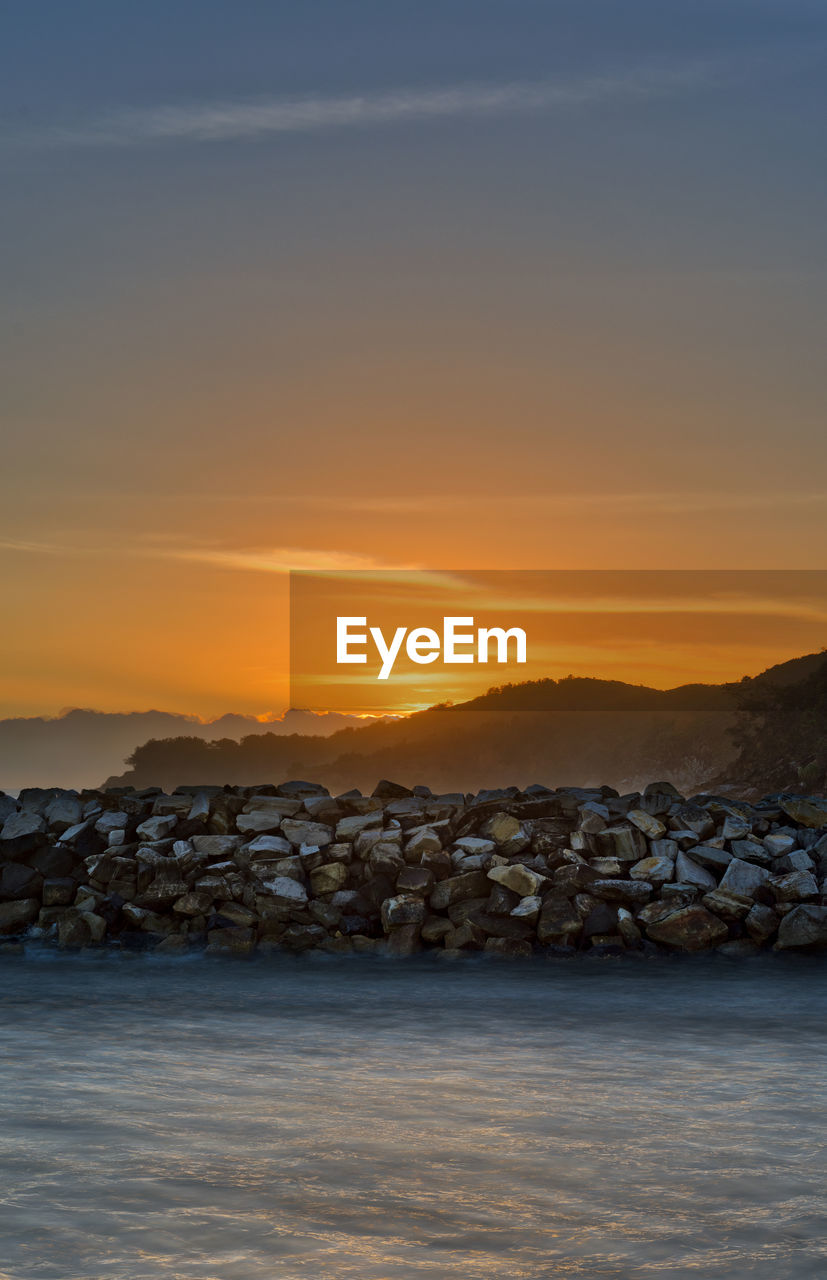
{"x": 79, "y": 747}
{"x": 575, "y": 731}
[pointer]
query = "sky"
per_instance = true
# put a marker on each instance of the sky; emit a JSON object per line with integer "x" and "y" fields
{"x": 496, "y": 284}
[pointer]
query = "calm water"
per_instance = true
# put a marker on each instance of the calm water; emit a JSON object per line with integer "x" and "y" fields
{"x": 375, "y": 1120}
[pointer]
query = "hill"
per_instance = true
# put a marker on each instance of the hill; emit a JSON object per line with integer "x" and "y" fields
{"x": 566, "y": 732}
{"x": 78, "y": 747}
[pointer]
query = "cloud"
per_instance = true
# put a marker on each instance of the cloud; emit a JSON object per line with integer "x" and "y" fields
{"x": 239, "y": 119}
{"x": 275, "y": 560}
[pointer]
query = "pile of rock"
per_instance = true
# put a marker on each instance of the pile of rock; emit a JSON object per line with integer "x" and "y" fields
{"x": 509, "y": 872}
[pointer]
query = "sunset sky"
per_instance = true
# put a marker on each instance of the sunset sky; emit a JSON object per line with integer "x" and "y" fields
{"x": 476, "y": 284}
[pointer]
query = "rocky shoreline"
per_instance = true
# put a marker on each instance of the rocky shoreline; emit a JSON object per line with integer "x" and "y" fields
{"x": 238, "y": 870}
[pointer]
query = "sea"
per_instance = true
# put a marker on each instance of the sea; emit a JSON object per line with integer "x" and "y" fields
{"x": 332, "y": 1118}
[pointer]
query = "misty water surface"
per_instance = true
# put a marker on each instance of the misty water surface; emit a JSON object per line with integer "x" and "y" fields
{"x": 371, "y": 1120}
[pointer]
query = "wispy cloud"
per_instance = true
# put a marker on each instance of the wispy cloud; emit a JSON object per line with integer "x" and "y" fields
{"x": 219, "y": 121}
{"x": 275, "y": 560}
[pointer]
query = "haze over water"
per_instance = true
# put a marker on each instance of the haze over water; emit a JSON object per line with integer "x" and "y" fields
{"x": 385, "y": 1121}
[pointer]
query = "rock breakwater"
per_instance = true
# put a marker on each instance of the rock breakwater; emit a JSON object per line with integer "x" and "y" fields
{"x": 509, "y": 872}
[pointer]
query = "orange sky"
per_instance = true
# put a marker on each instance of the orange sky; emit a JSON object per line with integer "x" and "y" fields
{"x": 579, "y": 328}
{"x": 657, "y": 627}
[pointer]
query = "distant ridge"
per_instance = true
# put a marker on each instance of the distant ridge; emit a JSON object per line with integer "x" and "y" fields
{"x": 79, "y": 747}
{"x": 577, "y": 727}
{"x": 570, "y": 732}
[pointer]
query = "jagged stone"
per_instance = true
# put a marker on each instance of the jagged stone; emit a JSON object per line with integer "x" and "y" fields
{"x": 735, "y": 828}
{"x": 730, "y": 906}
{"x": 15, "y": 917}
{"x": 636, "y": 892}
{"x": 235, "y": 939}
{"x": 472, "y": 884}
{"x": 518, "y": 878}
{"x": 688, "y": 929}
{"x": 328, "y": 878}
{"x": 527, "y": 908}
{"x": 347, "y": 829}
{"x": 310, "y": 833}
{"x": 63, "y": 812}
{"x": 558, "y": 919}
{"x": 627, "y": 928}
{"x": 805, "y": 810}
{"x": 112, "y": 820}
{"x": 752, "y": 851}
{"x": 744, "y": 878}
{"x": 779, "y": 843}
{"x": 508, "y": 948}
{"x": 507, "y": 833}
{"x": 467, "y": 936}
{"x": 628, "y": 844}
{"x": 804, "y": 926}
{"x": 156, "y": 828}
{"x": 195, "y": 903}
{"x": 415, "y": 880}
{"x": 424, "y": 840}
{"x": 706, "y": 855}
{"x": 403, "y": 941}
{"x": 689, "y": 872}
{"x": 647, "y": 823}
{"x": 402, "y": 910}
{"x": 284, "y": 891}
{"x": 600, "y": 919}
{"x": 761, "y": 922}
{"x": 21, "y": 833}
{"x": 656, "y": 870}
{"x": 795, "y": 886}
{"x": 435, "y": 928}
{"x": 58, "y": 892}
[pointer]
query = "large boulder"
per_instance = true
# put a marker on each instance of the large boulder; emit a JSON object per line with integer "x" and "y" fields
{"x": 707, "y": 855}
{"x": 558, "y": 920}
{"x": 284, "y": 891}
{"x": 235, "y": 940}
{"x": 507, "y": 833}
{"x": 656, "y": 870}
{"x": 689, "y": 872}
{"x": 63, "y": 812}
{"x": 18, "y": 881}
{"x": 518, "y": 878}
{"x": 645, "y": 822}
{"x": 58, "y": 892}
{"x": 804, "y": 926}
{"x": 806, "y": 811}
{"x": 309, "y": 833}
{"x": 21, "y": 833}
{"x": 473, "y": 884}
{"x": 744, "y": 878}
{"x": 689, "y": 929}
{"x": 508, "y": 948}
{"x": 628, "y": 844}
{"x": 112, "y": 820}
{"x": 15, "y": 917}
{"x": 795, "y": 886}
{"x": 634, "y": 892}
{"x": 761, "y": 922}
{"x": 329, "y": 878}
{"x": 347, "y": 829}
{"x": 424, "y": 840}
{"x": 405, "y": 909}
{"x": 262, "y": 820}
{"x": 157, "y": 828}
